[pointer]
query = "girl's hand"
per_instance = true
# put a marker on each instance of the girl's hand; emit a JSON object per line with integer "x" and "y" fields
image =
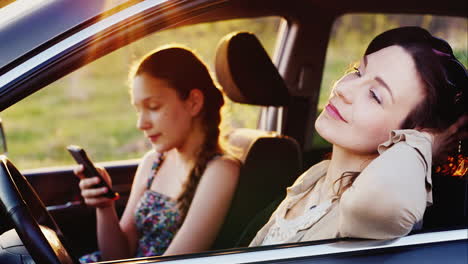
{"x": 94, "y": 196}
{"x": 447, "y": 141}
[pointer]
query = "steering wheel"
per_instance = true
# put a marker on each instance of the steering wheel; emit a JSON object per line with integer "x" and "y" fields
{"x": 22, "y": 205}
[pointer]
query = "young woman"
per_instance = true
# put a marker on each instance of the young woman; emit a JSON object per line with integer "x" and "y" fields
{"x": 183, "y": 186}
{"x": 387, "y": 120}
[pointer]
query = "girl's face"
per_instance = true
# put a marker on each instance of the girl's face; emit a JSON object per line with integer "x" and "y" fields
{"x": 163, "y": 117}
{"x": 367, "y": 104}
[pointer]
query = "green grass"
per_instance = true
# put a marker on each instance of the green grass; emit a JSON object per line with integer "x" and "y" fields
{"x": 91, "y": 106}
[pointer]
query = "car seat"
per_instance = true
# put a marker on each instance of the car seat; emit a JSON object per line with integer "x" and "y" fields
{"x": 270, "y": 162}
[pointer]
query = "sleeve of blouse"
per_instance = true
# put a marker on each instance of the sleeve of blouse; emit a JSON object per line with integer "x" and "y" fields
{"x": 392, "y": 192}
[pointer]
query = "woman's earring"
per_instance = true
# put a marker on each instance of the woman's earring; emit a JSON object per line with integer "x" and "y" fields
{"x": 459, "y": 146}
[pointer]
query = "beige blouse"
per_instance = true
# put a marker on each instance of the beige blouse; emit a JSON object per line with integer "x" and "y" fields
{"x": 385, "y": 201}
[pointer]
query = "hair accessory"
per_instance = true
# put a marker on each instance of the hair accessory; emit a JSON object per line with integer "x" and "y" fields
{"x": 440, "y": 53}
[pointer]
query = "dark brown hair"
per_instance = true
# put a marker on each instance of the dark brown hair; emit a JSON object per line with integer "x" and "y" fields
{"x": 185, "y": 71}
{"x": 444, "y": 77}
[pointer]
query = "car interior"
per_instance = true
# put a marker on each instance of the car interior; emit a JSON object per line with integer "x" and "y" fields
{"x": 272, "y": 156}
{"x": 270, "y": 161}
{"x": 240, "y": 54}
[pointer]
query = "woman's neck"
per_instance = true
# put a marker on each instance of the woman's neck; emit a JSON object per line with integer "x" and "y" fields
{"x": 188, "y": 151}
{"x": 342, "y": 161}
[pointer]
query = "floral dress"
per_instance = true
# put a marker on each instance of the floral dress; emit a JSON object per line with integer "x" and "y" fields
{"x": 157, "y": 219}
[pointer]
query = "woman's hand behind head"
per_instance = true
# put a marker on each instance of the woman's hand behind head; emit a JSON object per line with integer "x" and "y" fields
{"x": 446, "y": 141}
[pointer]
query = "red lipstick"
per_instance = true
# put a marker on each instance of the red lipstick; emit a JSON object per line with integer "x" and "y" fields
{"x": 154, "y": 137}
{"x": 333, "y": 111}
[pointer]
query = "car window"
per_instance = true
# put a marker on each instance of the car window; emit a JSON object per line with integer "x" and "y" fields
{"x": 90, "y": 107}
{"x": 357, "y": 30}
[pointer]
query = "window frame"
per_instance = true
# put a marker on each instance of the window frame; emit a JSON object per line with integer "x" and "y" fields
{"x": 322, "y": 250}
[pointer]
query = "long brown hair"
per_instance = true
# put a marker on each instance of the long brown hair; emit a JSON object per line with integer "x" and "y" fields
{"x": 185, "y": 72}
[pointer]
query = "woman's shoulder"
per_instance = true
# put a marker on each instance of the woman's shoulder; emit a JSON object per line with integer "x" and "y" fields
{"x": 227, "y": 157}
{"x": 225, "y": 164}
{"x": 146, "y": 163}
{"x": 223, "y": 159}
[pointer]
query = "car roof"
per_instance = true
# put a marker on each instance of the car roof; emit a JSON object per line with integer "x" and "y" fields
{"x": 22, "y": 30}
{"x": 26, "y": 25}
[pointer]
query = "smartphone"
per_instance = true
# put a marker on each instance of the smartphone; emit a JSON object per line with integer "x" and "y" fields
{"x": 80, "y": 156}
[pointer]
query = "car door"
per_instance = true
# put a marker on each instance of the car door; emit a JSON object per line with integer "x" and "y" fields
{"x": 58, "y": 189}
{"x": 55, "y": 183}
{"x": 91, "y": 107}
{"x": 434, "y": 247}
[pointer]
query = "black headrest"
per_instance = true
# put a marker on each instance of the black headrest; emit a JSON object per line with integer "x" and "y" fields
{"x": 246, "y": 73}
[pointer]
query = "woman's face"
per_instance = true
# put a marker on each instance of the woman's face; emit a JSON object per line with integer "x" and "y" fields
{"x": 165, "y": 119}
{"x": 368, "y": 103}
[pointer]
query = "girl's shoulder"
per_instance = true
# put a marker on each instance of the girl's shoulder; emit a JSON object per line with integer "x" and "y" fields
{"x": 223, "y": 164}
{"x": 146, "y": 164}
{"x": 223, "y": 159}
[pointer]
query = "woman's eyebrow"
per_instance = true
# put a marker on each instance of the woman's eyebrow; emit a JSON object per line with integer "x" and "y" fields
{"x": 380, "y": 80}
{"x": 151, "y": 97}
{"x": 146, "y": 99}
{"x": 385, "y": 85}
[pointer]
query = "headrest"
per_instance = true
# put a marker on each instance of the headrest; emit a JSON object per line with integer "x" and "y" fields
{"x": 241, "y": 140}
{"x": 246, "y": 73}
